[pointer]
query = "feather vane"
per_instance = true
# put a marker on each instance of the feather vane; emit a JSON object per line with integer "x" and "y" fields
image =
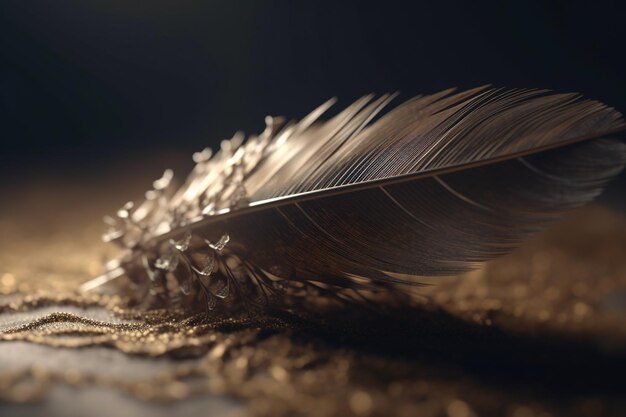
{"x": 348, "y": 206}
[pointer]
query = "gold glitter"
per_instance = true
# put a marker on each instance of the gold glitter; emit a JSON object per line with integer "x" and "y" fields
{"x": 7, "y": 279}
{"x": 458, "y": 408}
{"x": 218, "y": 351}
{"x": 241, "y": 362}
{"x": 279, "y": 373}
{"x": 581, "y": 309}
{"x": 178, "y": 390}
{"x": 361, "y": 403}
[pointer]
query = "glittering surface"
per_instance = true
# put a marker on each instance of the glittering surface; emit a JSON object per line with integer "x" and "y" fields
{"x": 540, "y": 332}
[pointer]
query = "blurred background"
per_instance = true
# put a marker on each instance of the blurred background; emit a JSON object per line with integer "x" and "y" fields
{"x": 88, "y": 84}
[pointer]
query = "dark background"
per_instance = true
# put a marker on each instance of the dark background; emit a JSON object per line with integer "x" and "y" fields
{"x": 85, "y": 81}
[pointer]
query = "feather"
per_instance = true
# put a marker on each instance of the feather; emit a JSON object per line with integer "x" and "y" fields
{"x": 350, "y": 206}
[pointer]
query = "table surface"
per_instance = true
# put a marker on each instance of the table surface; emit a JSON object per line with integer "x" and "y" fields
{"x": 539, "y": 332}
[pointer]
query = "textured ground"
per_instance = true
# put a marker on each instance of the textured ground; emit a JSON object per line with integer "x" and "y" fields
{"x": 540, "y": 332}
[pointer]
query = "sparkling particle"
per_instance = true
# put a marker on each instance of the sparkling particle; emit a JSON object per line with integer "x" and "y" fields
{"x": 8, "y": 279}
{"x": 581, "y": 309}
{"x": 178, "y": 390}
{"x": 279, "y": 373}
{"x": 218, "y": 351}
{"x": 458, "y": 408}
{"x": 361, "y": 403}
